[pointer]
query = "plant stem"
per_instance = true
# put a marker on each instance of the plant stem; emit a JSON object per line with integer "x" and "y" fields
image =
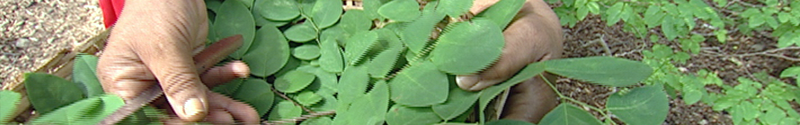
{"x": 582, "y": 104}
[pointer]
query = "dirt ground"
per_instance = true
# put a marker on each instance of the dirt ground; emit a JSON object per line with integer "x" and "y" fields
{"x": 32, "y": 31}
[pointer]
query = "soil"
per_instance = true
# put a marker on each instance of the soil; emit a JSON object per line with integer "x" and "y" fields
{"x": 32, "y": 31}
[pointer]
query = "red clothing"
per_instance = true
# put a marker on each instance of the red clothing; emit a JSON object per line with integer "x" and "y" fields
{"x": 111, "y": 11}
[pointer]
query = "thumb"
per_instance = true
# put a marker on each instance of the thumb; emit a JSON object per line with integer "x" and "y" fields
{"x": 173, "y": 66}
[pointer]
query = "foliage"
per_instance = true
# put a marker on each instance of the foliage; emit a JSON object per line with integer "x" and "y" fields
{"x": 392, "y": 71}
{"x": 761, "y": 100}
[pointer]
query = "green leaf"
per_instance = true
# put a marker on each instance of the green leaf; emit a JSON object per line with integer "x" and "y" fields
{"x": 301, "y": 33}
{"x": 330, "y": 58}
{"x": 285, "y": 110}
{"x": 371, "y": 8}
{"x": 531, "y": 70}
{"x": 280, "y": 10}
{"x": 454, "y": 8}
{"x": 318, "y": 121}
{"x": 269, "y": 52}
{"x": 601, "y": 70}
{"x": 383, "y": 62}
{"x": 213, "y": 5}
{"x": 328, "y": 103}
{"x": 653, "y": 16}
{"x": 402, "y": 115}
{"x": 86, "y": 111}
{"x": 358, "y": 45}
{"x": 354, "y": 21}
{"x": 306, "y": 52}
{"x": 568, "y": 114}
{"x": 508, "y": 122}
{"x": 307, "y": 98}
{"x": 257, "y": 93}
{"x": 791, "y": 72}
{"x": 83, "y": 73}
{"x": 668, "y": 27}
{"x": 419, "y": 85}
{"x": 229, "y": 88}
{"x": 400, "y": 10}
{"x": 458, "y": 103}
{"x": 641, "y": 106}
{"x": 416, "y": 34}
{"x": 262, "y": 21}
{"x": 234, "y": 18}
{"x": 48, "y": 92}
{"x": 8, "y": 105}
{"x": 784, "y": 17}
{"x": 326, "y": 12}
{"x": 352, "y": 85}
{"x": 614, "y": 13}
{"x": 327, "y": 80}
{"x": 470, "y": 48}
{"x": 368, "y": 110}
{"x": 293, "y": 81}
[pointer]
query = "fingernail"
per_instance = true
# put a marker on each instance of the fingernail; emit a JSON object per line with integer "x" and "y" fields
{"x": 240, "y": 69}
{"x": 483, "y": 84}
{"x": 193, "y": 107}
{"x": 466, "y": 82}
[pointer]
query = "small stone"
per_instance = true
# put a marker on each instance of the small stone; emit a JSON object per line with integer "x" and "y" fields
{"x": 22, "y": 43}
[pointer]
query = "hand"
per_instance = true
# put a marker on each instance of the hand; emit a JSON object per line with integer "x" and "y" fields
{"x": 534, "y": 35}
{"x": 153, "y": 42}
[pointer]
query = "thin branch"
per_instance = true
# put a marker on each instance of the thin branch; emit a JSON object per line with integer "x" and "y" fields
{"x": 287, "y": 98}
{"x": 298, "y": 119}
{"x": 771, "y": 53}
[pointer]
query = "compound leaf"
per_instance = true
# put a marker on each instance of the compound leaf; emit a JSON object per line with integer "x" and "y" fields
{"x": 641, "y": 106}
{"x": 419, "y": 85}
{"x": 269, "y": 52}
{"x": 469, "y": 48}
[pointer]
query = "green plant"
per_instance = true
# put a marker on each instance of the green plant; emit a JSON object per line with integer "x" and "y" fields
{"x": 373, "y": 65}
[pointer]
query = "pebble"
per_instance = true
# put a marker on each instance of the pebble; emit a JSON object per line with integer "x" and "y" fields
{"x": 22, "y": 43}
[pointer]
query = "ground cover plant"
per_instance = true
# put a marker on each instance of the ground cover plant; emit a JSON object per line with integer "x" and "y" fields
{"x": 373, "y": 66}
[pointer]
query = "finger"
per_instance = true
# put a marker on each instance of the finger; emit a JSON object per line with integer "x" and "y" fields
{"x": 222, "y": 74}
{"x": 535, "y": 35}
{"x": 121, "y": 73}
{"x": 172, "y": 64}
{"x": 240, "y": 111}
{"x": 530, "y": 100}
{"x": 219, "y": 117}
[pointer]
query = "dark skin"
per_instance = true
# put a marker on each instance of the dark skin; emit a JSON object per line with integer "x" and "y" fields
{"x": 534, "y": 35}
{"x": 154, "y": 44}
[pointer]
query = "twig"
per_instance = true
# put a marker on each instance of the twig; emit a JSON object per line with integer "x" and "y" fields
{"x": 287, "y": 98}
{"x": 763, "y": 53}
{"x": 748, "y": 4}
{"x": 602, "y": 43}
{"x": 301, "y": 118}
{"x": 562, "y": 96}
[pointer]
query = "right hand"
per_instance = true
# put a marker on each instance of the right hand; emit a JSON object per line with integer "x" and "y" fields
{"x": 153, "y": 43}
